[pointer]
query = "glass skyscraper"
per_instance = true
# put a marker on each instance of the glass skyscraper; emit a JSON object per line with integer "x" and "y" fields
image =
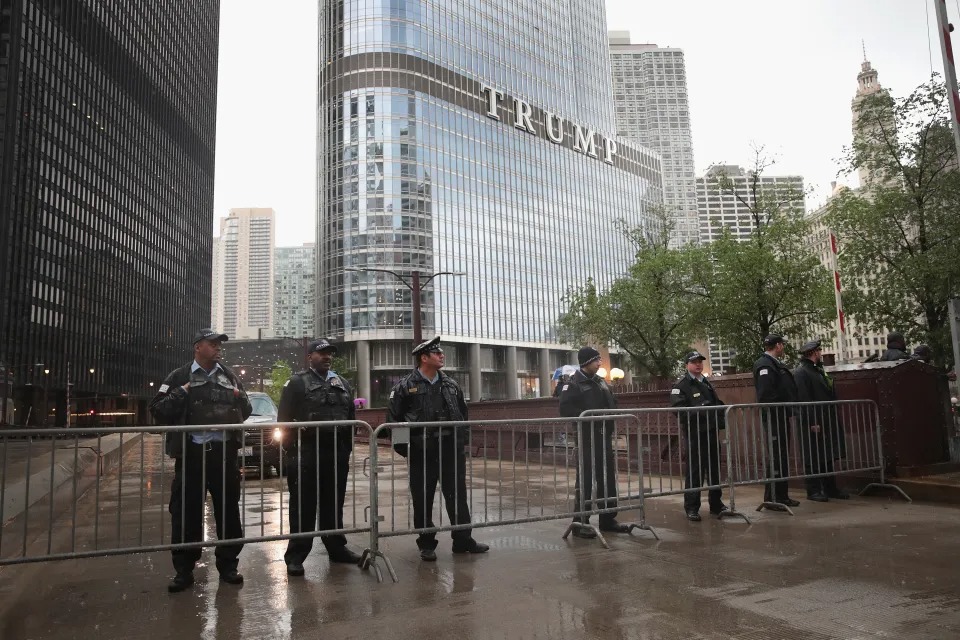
{"x": 478, "y": 138}
{"x": 107, "y": 123}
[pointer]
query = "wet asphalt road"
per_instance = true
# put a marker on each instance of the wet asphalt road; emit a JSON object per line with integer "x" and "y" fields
{"x": 869, "y": 568}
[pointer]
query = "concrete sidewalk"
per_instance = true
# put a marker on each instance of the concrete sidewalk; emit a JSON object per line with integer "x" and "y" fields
{"x": 40, "y": 470}
{"x": 874, "y": 567}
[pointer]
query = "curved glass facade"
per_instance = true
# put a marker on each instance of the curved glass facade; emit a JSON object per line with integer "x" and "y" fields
{"x": 468, "y": 136}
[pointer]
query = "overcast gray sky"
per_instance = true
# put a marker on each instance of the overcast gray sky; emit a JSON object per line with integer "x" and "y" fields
{"x": 774, "y": 73}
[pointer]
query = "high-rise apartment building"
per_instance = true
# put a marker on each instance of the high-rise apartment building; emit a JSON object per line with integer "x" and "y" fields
{"x": 721, "y": 208}
{"x": 729, "y": 207}
{"x": 295, "y": 291}
{"x": 246, "y": 286}
{"x": 107, "y": 127}
{"x": 216, "y": 290}
{"x": 653, "y": 110}
{"x": 450, "y": 142}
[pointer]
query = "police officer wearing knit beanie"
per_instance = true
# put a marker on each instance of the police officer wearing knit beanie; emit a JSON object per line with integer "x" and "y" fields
{"x": 586, "y": 390}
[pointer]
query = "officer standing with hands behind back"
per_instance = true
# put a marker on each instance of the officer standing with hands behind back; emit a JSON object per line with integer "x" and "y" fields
{"x": 203, "y": 392}
{"x": 820, "y": 431}
{"x": 775, "y": 385}
{"x": 319, "y": 458}
{"x": 701, "y": 436}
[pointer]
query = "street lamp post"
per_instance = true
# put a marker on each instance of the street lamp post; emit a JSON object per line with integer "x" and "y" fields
{"x": 416, "y": 288}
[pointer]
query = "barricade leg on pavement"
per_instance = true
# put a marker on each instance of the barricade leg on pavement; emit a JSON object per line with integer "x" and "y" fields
{"x": 670, "y": 463}
{"x": 830, "y": 438}
{"x": 598, "y": 470}
{"x": 368, "y": 558}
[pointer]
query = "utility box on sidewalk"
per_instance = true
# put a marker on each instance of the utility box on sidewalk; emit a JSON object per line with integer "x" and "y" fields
{"x": 914, "y": 405}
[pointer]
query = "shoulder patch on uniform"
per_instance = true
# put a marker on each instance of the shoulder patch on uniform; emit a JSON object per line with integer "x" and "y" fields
{"x": 392, "y": 393}
{"x": 287, "y": 382}
{"x": 675, "y": 392}
{"x": 764, "y": 372}
{"x": 163, "y": 388}
{"x": 565, "y": 387}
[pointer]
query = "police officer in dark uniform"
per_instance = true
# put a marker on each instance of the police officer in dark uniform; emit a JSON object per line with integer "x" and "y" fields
{"x": 819, "y": 429}
{"x": 203, "y": 392}
{"x": 701, "y": 436}
{"x": 586, "y": 390}
{"x": 774, "y": 384}
{"x": 319, "y": 459}
{"x": 435, "y": 453}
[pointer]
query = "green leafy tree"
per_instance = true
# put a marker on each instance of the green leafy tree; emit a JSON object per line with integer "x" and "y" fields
{"x": 768, "y": 280}
{"x": 651, "y": 312}
{"x": 279, "y": 375}
{"x": 900, "y": 233}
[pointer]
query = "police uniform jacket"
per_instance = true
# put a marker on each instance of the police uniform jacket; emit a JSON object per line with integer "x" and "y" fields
{"x": 774, "y": 382}
{"x": 218, "y": 399}
{"x": 814, "y": 384}
{"x": 415, "y": 399}
{"x": 690, "y": 392}
{"x": 309, "y": 396}
{"x": 582, "y": 393}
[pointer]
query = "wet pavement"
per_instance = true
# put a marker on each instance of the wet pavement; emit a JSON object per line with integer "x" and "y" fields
{"x": 872, "y": 567}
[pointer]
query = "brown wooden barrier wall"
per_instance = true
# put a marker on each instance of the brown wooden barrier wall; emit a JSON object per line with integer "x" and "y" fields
{"x": 912, "y": 398}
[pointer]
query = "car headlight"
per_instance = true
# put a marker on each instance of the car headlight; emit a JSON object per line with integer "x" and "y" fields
{"x": 278, "y": 434}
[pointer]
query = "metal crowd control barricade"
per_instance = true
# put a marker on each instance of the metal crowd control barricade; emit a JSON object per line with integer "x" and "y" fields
{"x": 514, "y": 472}
{"x": 813, "y": 441}
{"x": 608, "y": 474}
{"x": 669, "y": 459}
{"x": 56, "y": 505}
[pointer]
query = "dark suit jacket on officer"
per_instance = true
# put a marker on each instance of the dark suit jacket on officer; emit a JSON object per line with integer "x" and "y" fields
{"x": 774, "y": 384}
{"x": 435, "y": 453}
{"x": 701, "y": 438}
{"x": 211, "y": 466}
{"x": 318, "y": 458}
{"x": 595, "y": 439}
{"x": 820, "y": 448}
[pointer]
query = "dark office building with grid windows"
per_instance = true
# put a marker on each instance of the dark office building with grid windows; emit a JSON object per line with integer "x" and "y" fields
{"x": 107, "y": 131}
{"x": 470, "y": 136}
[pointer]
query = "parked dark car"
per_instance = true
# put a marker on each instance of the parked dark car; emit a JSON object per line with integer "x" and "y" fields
{"x": 261, "y": 451}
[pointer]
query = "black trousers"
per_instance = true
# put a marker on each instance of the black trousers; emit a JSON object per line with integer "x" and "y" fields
{"x": 439, "y": 459}
{"x": 776, "y": 454}
{"x": 595, "y": 440}
{"x": 192, "y": 479}
{"x": 818, "y": 456}
{"x": 702, "y": 447}
{"x": 318, "y": 487}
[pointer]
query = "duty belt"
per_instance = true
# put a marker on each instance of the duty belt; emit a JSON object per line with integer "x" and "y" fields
{"x": 433, "y": 432}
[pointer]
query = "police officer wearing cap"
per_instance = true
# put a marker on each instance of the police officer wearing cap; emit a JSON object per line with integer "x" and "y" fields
{"x": 701, "y": 436}
{"x": 586, "y": 390}
{"x": 435, "y": 454}
{"x": 319, "y": 459}
{"x": 821, "y": 434}
{"x": 774, "y": 384}
{"x": 203, "y": 392}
